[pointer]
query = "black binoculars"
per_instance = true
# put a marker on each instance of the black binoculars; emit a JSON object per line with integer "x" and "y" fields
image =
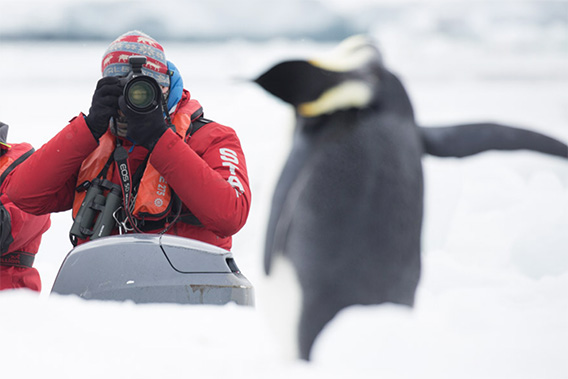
{"x": 97, "y": 204}
{"x": 142, "y": 93}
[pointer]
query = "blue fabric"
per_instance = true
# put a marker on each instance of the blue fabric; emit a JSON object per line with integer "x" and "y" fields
{"x": 176, "y": 86}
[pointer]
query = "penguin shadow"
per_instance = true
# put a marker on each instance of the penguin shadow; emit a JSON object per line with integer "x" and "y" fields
{"x": 347, "y": 211}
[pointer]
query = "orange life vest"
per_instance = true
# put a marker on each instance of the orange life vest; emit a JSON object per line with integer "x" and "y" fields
{"x": 154, "y": 197}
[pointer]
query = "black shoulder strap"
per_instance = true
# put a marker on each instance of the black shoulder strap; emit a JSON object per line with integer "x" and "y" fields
{"x": 197, "y": 121}
{"x": 198, "y": 124}
{"x": 10, "y": 168}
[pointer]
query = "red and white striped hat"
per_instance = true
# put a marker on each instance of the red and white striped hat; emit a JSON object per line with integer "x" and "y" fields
{"x": 115, "y": 59}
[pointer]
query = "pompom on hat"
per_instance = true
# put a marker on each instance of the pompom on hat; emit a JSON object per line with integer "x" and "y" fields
{"x": 115, "y": 58}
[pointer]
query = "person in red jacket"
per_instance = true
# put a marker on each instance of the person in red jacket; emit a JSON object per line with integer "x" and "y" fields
{"x": 20, "y": 232}
{"x": 177, "y": 172}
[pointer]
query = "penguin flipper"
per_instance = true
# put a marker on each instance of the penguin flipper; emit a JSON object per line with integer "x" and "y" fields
{"x": 282, "y": 203}
{"x": 469, "y": 139}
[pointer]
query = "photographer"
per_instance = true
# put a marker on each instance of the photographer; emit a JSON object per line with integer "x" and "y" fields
{"x": 172, "y": 170}
{"x": 20, "y": 232}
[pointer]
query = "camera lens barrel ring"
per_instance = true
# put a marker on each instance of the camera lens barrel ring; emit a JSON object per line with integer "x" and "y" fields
{"x": 142, "y": 94}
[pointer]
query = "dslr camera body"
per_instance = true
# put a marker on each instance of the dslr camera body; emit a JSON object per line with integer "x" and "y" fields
{"x": 142, "y": 93}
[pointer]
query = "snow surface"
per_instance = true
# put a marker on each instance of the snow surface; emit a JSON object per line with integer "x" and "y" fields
{"x": 492, "y": 302}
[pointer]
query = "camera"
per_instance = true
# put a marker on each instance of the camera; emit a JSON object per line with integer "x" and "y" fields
{"x": 141, "y": 93}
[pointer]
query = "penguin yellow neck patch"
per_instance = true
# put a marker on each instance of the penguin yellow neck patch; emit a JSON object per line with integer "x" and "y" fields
{"x": 350, "y": 94}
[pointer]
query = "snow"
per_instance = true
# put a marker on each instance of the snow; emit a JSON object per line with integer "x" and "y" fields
{"x": 492, "y": 302}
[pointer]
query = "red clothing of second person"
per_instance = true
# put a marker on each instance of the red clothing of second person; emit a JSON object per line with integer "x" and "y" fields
{"x": 20, "y": 232}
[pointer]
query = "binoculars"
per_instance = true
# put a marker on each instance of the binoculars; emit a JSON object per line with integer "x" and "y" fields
{"x": 142, "y": 93}
{"x": 97, "y": 204}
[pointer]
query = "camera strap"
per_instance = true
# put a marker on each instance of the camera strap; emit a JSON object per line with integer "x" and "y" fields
{"x": 120, "y": 156}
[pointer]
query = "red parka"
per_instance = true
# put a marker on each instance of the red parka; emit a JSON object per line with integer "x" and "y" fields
{"x": 20, "y": 232}
{"x": 194, "y": 169}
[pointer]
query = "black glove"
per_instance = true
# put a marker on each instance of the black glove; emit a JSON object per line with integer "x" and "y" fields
{"x": 144, "y": 129}
{"x": 104, "y": 105}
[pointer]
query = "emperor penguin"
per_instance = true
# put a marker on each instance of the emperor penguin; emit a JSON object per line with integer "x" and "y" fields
{"x": 347, "y": 209}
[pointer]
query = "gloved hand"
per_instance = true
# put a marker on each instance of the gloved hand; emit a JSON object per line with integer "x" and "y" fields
{"x": 143, "y": 129}
{"x": 104, "y": 105}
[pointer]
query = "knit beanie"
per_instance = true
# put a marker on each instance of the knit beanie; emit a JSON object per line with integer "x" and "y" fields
{"x": 115, "y": 58}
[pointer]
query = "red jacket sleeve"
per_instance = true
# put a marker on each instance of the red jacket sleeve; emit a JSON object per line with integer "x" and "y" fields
{"x": 46, "y": 181}
{"x": 209, "y": 175}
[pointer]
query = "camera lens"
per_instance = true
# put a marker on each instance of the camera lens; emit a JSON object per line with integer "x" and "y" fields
{"x": 142, "y": 94}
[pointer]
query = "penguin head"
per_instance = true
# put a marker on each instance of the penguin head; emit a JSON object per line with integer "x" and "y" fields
{"x": 346, "y": 77}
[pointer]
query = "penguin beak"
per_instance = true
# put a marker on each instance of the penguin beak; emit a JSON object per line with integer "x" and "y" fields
{"x": 297, "y": 82}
